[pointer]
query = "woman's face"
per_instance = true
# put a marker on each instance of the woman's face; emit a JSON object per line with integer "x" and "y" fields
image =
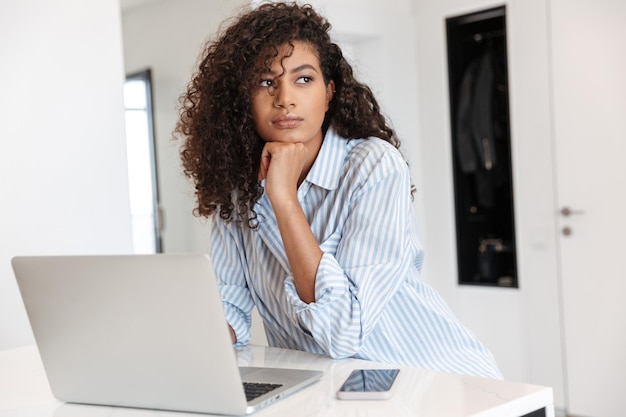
{"x": 291, "y": 99}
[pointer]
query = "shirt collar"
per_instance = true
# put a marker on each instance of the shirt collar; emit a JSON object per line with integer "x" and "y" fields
{"x": 326, "y": 169}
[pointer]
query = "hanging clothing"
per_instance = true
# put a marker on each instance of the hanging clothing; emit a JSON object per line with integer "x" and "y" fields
{"x": 478, "y": 126}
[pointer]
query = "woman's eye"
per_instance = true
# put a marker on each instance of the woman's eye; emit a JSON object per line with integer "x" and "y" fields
{"x": 304, "y": 79}
{"x": 265, "y": 83}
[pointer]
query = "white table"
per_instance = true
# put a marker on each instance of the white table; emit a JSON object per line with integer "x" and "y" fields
{"x": 24, "y": 391}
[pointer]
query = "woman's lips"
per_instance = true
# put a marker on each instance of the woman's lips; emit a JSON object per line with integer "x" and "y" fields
{"x": 287, "y": 121}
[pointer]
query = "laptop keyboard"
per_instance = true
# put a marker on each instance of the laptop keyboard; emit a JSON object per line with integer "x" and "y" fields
{"x": 256, "y": 389}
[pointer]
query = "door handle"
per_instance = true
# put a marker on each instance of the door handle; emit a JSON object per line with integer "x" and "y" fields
{"x": 566, "y": 212}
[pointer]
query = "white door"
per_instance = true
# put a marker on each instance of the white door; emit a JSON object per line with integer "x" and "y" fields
{"x": 589, "y": 79}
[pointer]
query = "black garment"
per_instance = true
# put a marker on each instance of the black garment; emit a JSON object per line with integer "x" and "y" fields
{"x": 478, "y": 127}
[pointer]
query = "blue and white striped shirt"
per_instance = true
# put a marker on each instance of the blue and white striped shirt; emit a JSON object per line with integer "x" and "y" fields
{"x": 370, "y": 302}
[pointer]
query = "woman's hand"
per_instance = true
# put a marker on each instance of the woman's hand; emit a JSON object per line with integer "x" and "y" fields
{"x": 282, "y": 167}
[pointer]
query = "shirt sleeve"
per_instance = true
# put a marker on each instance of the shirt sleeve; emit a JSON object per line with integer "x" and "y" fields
{"x": 229, "y": 262}
{"x": 365, "y": 265}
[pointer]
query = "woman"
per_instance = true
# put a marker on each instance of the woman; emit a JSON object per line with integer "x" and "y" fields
{"x": 310, "y": 200}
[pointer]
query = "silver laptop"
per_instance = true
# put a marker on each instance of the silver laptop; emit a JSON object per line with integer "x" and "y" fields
{"x": 144, "y": 331}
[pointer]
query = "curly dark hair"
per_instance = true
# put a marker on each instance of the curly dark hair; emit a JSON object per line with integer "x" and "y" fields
{"x": 221, "y": 149}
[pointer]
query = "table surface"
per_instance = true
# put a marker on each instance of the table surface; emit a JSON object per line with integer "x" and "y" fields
{"x": 24, "y": 391}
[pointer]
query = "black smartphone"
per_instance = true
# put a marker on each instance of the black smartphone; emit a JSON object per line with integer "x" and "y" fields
{"x": 368, "y": 384}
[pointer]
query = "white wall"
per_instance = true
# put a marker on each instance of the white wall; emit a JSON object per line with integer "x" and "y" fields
{"x": 63, "y": 165}
{"x": 535, "y": 190}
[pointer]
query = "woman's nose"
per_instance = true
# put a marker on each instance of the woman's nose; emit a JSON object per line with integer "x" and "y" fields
{"x": 284, "y": 97}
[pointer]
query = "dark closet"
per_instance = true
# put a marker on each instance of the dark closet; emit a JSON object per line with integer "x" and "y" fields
{"x": 481, "y": 148}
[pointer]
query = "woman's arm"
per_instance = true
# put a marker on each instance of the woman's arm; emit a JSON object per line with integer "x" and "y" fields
{"x": 301, "y": 247}
{"x": 368, "y": 256}
{"x": 283, "y": 167}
